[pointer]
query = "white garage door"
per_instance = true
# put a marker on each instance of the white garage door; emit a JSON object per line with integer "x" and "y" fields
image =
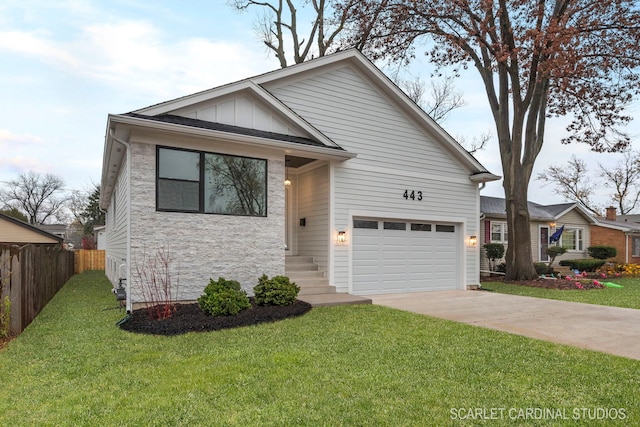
{"x": 404, "y": 256}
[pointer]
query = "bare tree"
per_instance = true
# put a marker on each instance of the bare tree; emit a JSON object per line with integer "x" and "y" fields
{"x": 85, "y": 209}
{"x": 478, "y": 143}
{"x": 624, "y": 178}
{"x": 279, "y": 23}
{"x": 572, "y": 181}
{"x": 39, "y": 197}
{"x": 442, "y": 97}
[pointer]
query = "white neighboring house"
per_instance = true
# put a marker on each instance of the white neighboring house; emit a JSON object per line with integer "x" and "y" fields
{"x": 380, "y": 199}
{"x": 100, "y": 233}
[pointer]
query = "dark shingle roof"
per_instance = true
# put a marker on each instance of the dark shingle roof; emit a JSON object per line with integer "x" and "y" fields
{"x": 203, "y": 124}
{"x": 496, "y": 206}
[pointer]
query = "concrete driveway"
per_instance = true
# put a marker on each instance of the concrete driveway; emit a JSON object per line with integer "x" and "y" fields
{"x": 607, "y": 329}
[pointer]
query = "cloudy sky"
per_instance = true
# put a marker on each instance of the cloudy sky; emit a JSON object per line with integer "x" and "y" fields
{"x": 66, "y": 64}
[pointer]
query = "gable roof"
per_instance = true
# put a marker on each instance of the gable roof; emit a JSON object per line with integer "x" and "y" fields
{"x": 260, "y": 84}
{"x": 32, "y": 234}
{"x": 496, "y": 207}
{"x": 166, "y": 116}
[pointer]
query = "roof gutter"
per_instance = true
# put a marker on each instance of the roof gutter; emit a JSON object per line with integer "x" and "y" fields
{"x": 128, "y": 198}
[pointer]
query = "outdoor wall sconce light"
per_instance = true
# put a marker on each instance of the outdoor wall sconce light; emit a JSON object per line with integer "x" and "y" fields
{"x": 473, "y": 241}
{"x": 552, "y": 224}
{"x": 342, "y": 237}
{"x": 287, "y": 181}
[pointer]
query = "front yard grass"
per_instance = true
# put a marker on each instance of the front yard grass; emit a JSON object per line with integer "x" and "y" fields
{"x": 338, "y": 366}
{"x": 627, "y": 297}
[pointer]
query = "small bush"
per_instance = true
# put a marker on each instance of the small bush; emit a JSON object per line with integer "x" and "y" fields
{"x": 494, "y": 252}
{"x": 583, "y": 264}
{"x": 554, "y": 251}
{"x": 541, "y": 267}
{"x": 275, "y": 291}
{"x": 602, "y": 252}
{"x": 223, "y": 298}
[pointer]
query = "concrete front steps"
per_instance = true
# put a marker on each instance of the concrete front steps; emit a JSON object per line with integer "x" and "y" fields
{"x": 314, "y": 286}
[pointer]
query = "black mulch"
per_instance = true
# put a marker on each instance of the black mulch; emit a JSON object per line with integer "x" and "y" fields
{"x": 190, "y": 318}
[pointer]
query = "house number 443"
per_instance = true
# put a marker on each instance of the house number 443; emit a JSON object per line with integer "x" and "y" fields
{"x": 413, "y": 195}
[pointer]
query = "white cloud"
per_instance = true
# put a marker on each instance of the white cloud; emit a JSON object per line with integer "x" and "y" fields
{"x": 135, "y": 55}
{"x": 36, "y": 44}
{"x": 7, "y": 138}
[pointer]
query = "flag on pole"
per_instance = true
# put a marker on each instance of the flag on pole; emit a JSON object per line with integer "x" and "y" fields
{"x": 556, "y": 236}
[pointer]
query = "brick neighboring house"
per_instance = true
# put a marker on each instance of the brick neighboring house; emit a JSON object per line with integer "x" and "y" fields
{"x": 621, "y": 233}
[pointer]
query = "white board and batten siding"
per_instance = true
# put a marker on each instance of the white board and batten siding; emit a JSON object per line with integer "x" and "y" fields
{"x": 394, "y": 154}
{"x": 243, "y": 111}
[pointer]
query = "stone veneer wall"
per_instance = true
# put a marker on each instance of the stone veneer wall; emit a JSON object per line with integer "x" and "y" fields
{"x": 204, "y": 246}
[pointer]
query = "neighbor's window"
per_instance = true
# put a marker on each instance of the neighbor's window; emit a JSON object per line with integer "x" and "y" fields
{"x": 572, "y": 239}
{"x": 498, "y": 232}
{"x": 191, "y": 181}
{"x": 636, "y": 246}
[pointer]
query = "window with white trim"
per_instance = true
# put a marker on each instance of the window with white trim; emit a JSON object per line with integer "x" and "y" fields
{"x": 498, "y": 232}
{"x": 635, "y": 243}
{"x": 572, "y": 239}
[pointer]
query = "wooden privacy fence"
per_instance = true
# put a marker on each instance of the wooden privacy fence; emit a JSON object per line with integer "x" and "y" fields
{"x": 89, "y": 260}
{"x": 30, "y": 276}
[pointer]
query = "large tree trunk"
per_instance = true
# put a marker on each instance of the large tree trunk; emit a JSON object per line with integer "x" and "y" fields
{"x": 519, "y": 257}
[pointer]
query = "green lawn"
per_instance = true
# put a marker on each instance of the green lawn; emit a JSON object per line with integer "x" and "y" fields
{"x": 628, "y": 296}
{"x": 337, "y": 366}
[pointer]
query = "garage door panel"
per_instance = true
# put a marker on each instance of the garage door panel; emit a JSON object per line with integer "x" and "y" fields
{"x": 418, "y": 259}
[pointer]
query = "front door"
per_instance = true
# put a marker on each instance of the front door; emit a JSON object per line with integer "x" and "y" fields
{"x": 544, "y": 244}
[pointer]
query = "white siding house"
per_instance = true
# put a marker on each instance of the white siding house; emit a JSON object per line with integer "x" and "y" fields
{"x": 363, "y": 161}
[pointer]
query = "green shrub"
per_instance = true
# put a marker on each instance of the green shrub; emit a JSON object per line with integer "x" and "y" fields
{"x": 554, "y": 251}
{"x": 583, "y": 264}
{"x": 541, "y": 267}
{"x": 494, "y": 252}
{"x": 223, "y": 298}
{"x": 602, "y": 252}
{"x": 275, "y": 291}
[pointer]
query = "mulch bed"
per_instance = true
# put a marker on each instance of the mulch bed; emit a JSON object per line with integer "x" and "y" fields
{"x": 190, "y": 318}
{"x": 561, "y": 284}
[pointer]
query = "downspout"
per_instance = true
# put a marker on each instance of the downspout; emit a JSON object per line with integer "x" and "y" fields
{"x": 626, "y": 248}
{"x": 128, "y": 198}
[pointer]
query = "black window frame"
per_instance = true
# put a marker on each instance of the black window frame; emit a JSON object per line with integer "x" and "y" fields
{"x": 365, "y": 224}
{"x": 201, "y": 182}
{"x": 420, "y": 226}
{"x": 394, "y": 225}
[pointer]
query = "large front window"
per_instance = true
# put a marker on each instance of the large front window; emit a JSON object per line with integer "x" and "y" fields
{"x": 191, "y": 181}
{"x": 572, "y": 239}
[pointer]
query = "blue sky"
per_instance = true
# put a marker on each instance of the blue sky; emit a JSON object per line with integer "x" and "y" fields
{"x": 67, "y": 64}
